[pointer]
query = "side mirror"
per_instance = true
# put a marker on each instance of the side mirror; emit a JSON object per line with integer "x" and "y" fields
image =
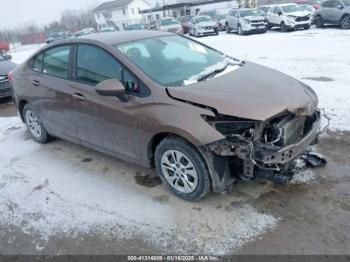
{"x": 112, "y": 87}
{"x": 279, "y": 13}
{"x": 7, "y": 57}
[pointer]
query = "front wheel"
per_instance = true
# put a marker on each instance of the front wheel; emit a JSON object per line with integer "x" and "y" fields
{"x": 35, "y": 125}
{"x": 228, "y": 29}
{"x": 307, "y": 27}
{"x": 182, "y": 168}
{"x": 319, "y": 21}
{"x": 345, "y": 22}
{"x": 240, "y": 31}
{"x": 284, "y": 27}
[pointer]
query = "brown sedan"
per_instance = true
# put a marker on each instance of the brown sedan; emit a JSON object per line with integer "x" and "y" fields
{"x": 202, "y": 118}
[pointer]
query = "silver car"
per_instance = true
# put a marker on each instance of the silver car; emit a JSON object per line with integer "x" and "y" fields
{"x": 245, "y": 21}
{"x": 203, "y": 25}
{"x": 336, "y": 12}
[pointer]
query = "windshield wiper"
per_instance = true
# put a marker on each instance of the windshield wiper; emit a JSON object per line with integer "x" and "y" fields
{"x": 212, "y": 73}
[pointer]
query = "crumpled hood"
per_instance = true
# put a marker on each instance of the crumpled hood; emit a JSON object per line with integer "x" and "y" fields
{"x": 6, "y": 67}
{"x": 252, "y": 91}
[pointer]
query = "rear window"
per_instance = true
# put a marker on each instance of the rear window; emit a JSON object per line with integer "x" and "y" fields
{"x": 56, "y": 61}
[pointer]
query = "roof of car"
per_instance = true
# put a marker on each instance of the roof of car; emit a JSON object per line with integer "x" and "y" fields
{"x": 112, "y": 38}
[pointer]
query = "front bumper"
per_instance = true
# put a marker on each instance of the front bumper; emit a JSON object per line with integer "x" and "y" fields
{"x": 254, "y": 27}
{"x": 294, "y": 25}
{"x": 255, "y": 158}
{"x": 5, "y": 89}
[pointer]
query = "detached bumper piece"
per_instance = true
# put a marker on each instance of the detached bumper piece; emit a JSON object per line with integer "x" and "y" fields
{"x": 269, "y": 160}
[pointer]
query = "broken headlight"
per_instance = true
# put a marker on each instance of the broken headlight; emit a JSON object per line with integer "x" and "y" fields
{"x": 228, "y": 125}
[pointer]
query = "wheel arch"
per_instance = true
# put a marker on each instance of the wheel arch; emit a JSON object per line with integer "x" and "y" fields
{"x": 21, "y": 105}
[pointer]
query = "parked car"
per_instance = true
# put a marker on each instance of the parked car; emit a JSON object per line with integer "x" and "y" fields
{"x": 55, "y": 36}
{"x": 245, "y": 21}
{"x": 185, "y": 21}
{"x": 170, "y": 25}
{"x": 135, "y": 27}
{"x": 108, "y": 29}
{"x": 5, "y": 67}
{"x": 4, "y": 47}
{"x": 221, "y": 21}
{"x": 288, "y": 17}
{"x": 203, "y": 25}
{"x": 202, "y": 118}
{"x": 83, "y": 33}
{"x": 335, "y": 12}
{"x": 213, "y": 14}
{"x": 90, "y": 30}
{"x": 152, "y": 25}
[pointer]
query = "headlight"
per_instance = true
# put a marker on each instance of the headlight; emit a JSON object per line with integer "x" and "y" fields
{"x": 228, "y": 125}
{"x": 246, "y": 21}
{"x": 291, "y": 17}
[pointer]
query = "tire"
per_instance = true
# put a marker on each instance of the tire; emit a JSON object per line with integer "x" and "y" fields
{"x": 240, "y": 31}
{"x": 345, "y": 22}
{"x": 217, "y": 32}
{"x": 319, "y": 21}
{"x": 227, "y": 29}
{"x": 195, "y": 33}
{"x": 284, "y": 27}
{"x": 190, "y": 185}
{"x": 35, "y": 126}
{"x": 307, "y": 27}
{"x": 269, "y": 26}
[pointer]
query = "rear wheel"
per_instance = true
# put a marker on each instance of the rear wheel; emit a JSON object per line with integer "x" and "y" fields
{"x": 182, "y": 168}
{"x": 35, "y": 125}
{"x": 319, "y": 21}
{"x": 345, "y": 22}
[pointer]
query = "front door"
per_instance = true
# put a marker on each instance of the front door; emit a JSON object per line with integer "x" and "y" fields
{"x": 104, "y": 122}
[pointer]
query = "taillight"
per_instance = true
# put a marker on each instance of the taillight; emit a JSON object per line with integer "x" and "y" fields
{"x": 10, "y": 76}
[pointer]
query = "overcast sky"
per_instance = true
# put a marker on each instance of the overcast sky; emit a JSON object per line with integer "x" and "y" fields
{"x": 15, "y": 13}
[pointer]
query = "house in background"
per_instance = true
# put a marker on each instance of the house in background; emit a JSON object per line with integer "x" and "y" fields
{"x": 119, "y": 13}
{"x": 179, "y": 8}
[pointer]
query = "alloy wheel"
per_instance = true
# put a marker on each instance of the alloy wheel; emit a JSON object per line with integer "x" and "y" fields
{"x": 179, "y": 171}
{"x": 33, "y": 124}
{"x": 345, "y": 22}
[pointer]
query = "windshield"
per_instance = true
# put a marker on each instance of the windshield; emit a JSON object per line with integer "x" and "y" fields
{"x": 210, "y": 13}
{"x": 187, "y": 18}
{"x": 222, "y": 16}
{"x": 291, "y": 8}
{"x": 54, "y": 35}
{"x": 245, "y": 13}
{"x": 170, "y": 21}
{"x": 171, "y": 60}
{"x": 200, "y": 19}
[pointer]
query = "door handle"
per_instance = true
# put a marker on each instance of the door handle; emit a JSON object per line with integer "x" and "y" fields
{"x": 35, "y": 82}
{"x": 78, "y": 96}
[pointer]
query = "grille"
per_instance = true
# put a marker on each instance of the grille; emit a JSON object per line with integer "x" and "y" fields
{"x": 257, "y": 25}
{"x": 5, "y": 89}
{"x": 257, "y": 21}
{"x": 207, "y": 27}
{"x": 303, "y": 18}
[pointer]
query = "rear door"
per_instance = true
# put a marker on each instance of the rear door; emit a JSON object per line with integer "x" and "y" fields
{"x": 337, "y": 12}
{"x": 327, "y": 9}
{"x": 104, "y": 122}
{"x": 50, "y": 92}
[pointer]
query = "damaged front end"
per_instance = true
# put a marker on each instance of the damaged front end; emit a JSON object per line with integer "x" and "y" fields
{"x": 264, "y": 149}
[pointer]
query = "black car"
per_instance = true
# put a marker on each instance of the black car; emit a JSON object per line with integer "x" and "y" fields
{"x": 5, "y": 67}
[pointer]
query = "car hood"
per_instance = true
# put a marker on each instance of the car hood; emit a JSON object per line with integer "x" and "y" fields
{"x": 299, "y": 13}
{"x": 250, "y": 18}
{"x": 252, "y": 92}
{"x": 209, "y": 23}
{"x": 6, "y": 67}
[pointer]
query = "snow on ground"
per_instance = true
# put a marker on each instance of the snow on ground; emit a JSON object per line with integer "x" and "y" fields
{"x": 61, "y": 189}
{"x": 318, "y": 57}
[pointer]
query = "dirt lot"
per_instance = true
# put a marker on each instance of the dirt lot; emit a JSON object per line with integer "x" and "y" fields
{"x": 313, "y": 215}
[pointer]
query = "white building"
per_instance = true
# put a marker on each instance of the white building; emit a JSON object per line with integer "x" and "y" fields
{"x": 119, "y": 13}
{"x": 179, "y": 8}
